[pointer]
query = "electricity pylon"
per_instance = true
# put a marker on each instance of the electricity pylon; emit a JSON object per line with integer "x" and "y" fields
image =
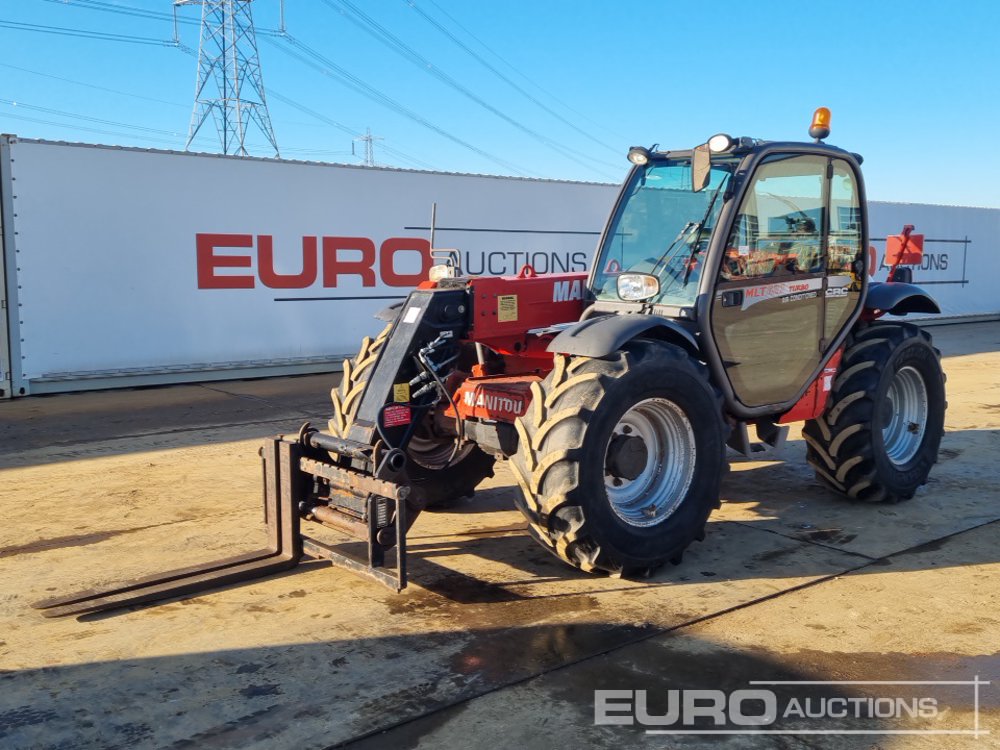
{"x": 369, "y": 140}
{"x": 230, "y": 88}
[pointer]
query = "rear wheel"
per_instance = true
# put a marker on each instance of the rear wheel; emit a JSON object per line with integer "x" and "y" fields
{"x": 880, "y": 434}
{"x": 436, "y": 479}
{"x": 619, "y": 460}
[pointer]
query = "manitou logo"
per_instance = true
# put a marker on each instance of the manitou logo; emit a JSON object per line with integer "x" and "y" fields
{"x": 325, "y": 259}
{"x": 566, "y": 291}
{"x": 494, "y": 403}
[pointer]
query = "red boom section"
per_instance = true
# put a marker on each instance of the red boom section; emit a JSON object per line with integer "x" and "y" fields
{"x": 507, "y": 313}
{"x": 505, "y": 308}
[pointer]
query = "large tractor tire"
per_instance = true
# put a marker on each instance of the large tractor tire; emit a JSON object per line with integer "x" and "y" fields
{"x": 879, "y": 436}
{"x": 619, "y": 460}
{"x": 434, "y": 482}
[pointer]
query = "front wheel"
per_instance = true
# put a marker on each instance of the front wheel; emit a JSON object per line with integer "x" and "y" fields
{"x": 879, "y": 436}
{"x": 619, "y": 460}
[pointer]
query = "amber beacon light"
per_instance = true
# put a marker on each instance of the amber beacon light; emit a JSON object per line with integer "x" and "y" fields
{"x": 820, "y": 127}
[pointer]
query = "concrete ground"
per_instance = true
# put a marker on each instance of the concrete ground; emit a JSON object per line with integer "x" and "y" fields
{"x": 495, "y": 643}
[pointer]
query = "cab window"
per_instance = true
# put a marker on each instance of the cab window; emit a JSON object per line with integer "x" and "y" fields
{"x": 779, "y": 229}
{"x": 845, "y": 219}
{"x": 843, "y": 292}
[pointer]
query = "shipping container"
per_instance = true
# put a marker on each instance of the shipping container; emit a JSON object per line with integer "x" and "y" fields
{"x": 126, "y": 266}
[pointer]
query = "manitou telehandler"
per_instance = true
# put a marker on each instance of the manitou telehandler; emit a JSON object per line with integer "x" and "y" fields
{"x": 730, "y": 291}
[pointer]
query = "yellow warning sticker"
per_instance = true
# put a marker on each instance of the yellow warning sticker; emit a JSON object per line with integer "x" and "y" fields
{"x": 401, "y": 393}
{"x": 507, "y": 308}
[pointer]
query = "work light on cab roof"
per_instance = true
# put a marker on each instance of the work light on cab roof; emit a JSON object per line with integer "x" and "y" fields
{"x": 721, "y": 143}
{"x": 638, "y": 155}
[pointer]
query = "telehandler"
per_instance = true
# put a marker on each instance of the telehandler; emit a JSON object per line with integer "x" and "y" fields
{"x": 730, "y": 292}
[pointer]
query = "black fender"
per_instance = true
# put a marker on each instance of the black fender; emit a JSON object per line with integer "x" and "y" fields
{"x": 604, "y": 335}
{"x": 390, "y": 313}
{"x": 897, "y": 298}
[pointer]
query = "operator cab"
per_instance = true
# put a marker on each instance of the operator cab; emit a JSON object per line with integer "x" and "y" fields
{"x": 757, "y": 248}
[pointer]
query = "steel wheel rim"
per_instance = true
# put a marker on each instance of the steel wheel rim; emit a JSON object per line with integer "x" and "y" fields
{"x": 659, "y": 489}
{"x": 904, "y": 430}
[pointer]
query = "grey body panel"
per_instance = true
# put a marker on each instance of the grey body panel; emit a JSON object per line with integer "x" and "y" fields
{"x": 604, "y": 335}
{"x": 899, "y": 299}
{"x": 390, "y": 313}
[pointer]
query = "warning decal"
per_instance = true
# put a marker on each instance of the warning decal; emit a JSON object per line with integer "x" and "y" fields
{"x": 396, "y": 415}
{"x": 401, "y": 392}
{"x": 507, "y": 308}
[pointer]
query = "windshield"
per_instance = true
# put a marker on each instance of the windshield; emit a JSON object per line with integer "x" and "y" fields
{"x": 663, "y": 228}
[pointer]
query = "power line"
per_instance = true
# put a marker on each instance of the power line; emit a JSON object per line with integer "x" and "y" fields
{"x": 84, "y": 128}
{"x": 318, "y": 62}
{"x": 343, "y": 128}
{"x": 372, "y": 27}
{"x": 75, "y": 115}
{"x": 333, "y": 123}
{"x": 129, "y": 10}
{"x": 513, "y": 68}
{"x": 327, "y": 67}
{"x": 489, "y": 66}
{"x": 125, "y": 10}
{"x": 93, "y": 86}
{"x": 61, "y": 31}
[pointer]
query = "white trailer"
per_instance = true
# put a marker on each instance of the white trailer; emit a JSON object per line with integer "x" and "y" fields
{"x": 130, "y": 266}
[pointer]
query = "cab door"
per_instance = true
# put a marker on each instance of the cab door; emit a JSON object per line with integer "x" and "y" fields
{"x": 768, "y": 310}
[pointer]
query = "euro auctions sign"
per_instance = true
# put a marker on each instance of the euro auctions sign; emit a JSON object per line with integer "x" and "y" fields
{"x": 326, "y": 261}
{"x": 159, "y": 265}
{"x": 801, "y": 707}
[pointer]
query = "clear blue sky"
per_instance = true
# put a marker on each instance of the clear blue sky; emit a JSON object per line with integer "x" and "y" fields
{"x": 914, "y": 86}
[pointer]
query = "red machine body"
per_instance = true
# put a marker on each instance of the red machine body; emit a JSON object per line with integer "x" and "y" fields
{"x": 813, "y": 401}
{"x": 509, "y": 316}
{"x": 494, "y": 398}
{"x": 505, "y": 308}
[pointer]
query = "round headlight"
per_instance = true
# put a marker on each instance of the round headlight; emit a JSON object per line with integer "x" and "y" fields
{"x": 637, "y": 287}
{"x": 720, "y": 143}
{"x": 638, "y": 156}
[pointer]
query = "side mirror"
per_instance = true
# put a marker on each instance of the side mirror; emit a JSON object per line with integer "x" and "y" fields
{"x": 701, "y": 167}
{"x": 903, "y": 275}
{"x": 637, "y": 287}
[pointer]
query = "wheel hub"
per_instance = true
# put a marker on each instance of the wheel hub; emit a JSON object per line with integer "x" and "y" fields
{"x": 649, "y": 463}
{"x": 627, "y": 457}
{"x": 904, "y": 415}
